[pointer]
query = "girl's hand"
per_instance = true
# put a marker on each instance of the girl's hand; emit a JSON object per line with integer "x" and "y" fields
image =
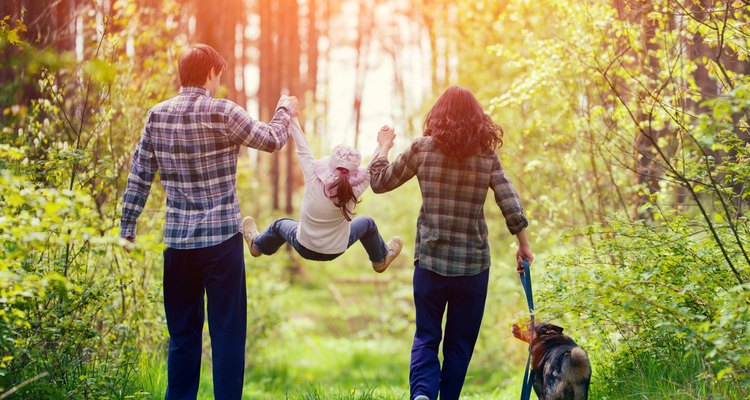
{"x": 290, "y": 103}
{"x": 386, "y": 136}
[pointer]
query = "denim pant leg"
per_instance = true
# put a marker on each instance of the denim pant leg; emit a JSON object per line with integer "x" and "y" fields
{"x": 183, "y": 306}
{"x": 430, "y": 299}
{"x": 224, "y": 278}
{"x": 466, "y": 301}
{"x": 281, "y": 231}
{"x": 365, "y": 230}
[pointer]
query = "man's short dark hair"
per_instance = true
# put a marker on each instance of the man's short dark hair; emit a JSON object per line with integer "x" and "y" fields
{"x": 196, "y": 63}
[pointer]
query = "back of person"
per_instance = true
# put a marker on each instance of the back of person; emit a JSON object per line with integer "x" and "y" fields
{"x": 197, "y": 162}
{"x": 323, "y": 226}
{"x": 452, "y": 235}
{"x": 193, "y": 141}
{"x": 455, "y": 163}
{"x": 453, "y": 196}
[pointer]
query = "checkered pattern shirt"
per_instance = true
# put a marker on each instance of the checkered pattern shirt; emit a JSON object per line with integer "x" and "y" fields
{"x": 451, "y": 229}
{"x": 193, "y": 140}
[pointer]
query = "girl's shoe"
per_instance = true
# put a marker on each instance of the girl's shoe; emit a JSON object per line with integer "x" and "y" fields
{"x": 250, "y": 232}
{"x": 394, "y": 249}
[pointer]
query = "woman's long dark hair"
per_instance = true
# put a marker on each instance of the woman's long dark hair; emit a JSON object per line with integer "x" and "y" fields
{"x": 343, "y": 193}
{"x": 459, "y": 126}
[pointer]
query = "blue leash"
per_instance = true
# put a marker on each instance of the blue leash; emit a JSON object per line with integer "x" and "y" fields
{"x": 528, "y": 378}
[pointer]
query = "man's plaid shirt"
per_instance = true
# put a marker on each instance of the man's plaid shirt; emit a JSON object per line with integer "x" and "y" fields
{"x": 451, "y": 230}
{"x": 193, "y": 140}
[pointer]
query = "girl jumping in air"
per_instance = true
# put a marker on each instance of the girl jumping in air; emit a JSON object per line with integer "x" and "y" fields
{"x": 326, "y": 227}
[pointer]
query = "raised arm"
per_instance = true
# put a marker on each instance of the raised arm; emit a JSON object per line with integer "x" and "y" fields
{"x": 304, "y": 154}
{"x": 142, "y": 172}
{"x": 385, "y": 177}
{"x": 246, "y": 131}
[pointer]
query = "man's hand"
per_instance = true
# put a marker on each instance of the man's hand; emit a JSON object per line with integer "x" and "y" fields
{"x": 290, "y": 103}
{"x": 386, "y": 136}
{"x": 129, "y": 244}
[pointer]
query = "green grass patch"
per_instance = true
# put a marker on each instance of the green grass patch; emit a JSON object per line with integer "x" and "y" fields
{"x": 662, "y": 374}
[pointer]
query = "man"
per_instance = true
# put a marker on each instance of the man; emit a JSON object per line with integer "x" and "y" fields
{"x": 194, "y": 140}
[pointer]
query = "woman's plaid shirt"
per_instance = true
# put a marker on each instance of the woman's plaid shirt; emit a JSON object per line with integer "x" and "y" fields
{"x": 193, "y": 140}
{"x": 451, "y": 229}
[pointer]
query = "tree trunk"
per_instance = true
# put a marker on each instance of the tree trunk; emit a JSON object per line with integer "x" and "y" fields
{"x": 648, "y": 171}
{"x": 269, "y": 86}
{"x": 216, "y": 25}
{"x": 311, "y": 82}
{"x": 361, "y": 66}
{"x": 430, "y": 12}
{"x": 291, "y": 79}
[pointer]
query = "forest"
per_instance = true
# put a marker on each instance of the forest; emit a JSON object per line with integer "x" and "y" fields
{"x": 626, "y": 134}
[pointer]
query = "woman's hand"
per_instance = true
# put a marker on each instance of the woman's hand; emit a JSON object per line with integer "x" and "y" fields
{"x": 524, "y": 251}
{"x": 386, "y": 136}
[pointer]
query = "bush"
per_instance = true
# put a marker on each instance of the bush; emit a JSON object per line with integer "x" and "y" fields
{"x": 76, "y": 312}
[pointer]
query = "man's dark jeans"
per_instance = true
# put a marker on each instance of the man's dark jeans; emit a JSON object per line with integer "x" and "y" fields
{"x": 219, "y": 271}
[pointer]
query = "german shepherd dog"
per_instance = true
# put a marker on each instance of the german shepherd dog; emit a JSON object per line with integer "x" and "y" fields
{"x": 561, "y": 369}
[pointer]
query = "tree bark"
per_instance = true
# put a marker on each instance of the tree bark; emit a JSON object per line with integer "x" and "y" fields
{"x": 648, "y": 171}
{"x": 269, "y": 86}
{"x": 313, "y": 34}
{"x": 361, "y": 66}
{"x": 216, "y": 25}
{"x": 291, "y": 82}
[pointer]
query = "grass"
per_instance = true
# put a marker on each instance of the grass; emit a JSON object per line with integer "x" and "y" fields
{"x": 350, "y": 348}
{"x": 327, "y": 368}
{"x": 674, "y": 375}
{"x": 346, "y": 334}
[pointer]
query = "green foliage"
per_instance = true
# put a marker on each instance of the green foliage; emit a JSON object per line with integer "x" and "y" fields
{"x": 71, "y": 310}
{"x": 661, "y": 373}
{"x": 612, "y": 134}
{"x": 76, "y": 312}
{"x": 670, "y": 288}
{"x": 598, "y": 104}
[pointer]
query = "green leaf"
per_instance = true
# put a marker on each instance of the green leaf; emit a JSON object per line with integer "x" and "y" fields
{"x": 101, "y": 71}
{"x": 723, "y": 372}
{"x": 13, "y": 37}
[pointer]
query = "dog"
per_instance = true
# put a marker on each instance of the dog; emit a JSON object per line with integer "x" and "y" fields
{"x": 561, "y": 369}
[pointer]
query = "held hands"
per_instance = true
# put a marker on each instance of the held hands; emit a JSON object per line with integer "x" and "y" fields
{"x": 386, "y": 136}
{"x": 290, "y": 103}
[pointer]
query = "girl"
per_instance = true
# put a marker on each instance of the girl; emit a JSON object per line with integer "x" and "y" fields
{"x": 326, "y": 228}
{"x": 455, "y": 163}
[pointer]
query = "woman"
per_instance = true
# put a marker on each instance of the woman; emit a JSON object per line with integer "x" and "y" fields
{"x": 455, "y": 163}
